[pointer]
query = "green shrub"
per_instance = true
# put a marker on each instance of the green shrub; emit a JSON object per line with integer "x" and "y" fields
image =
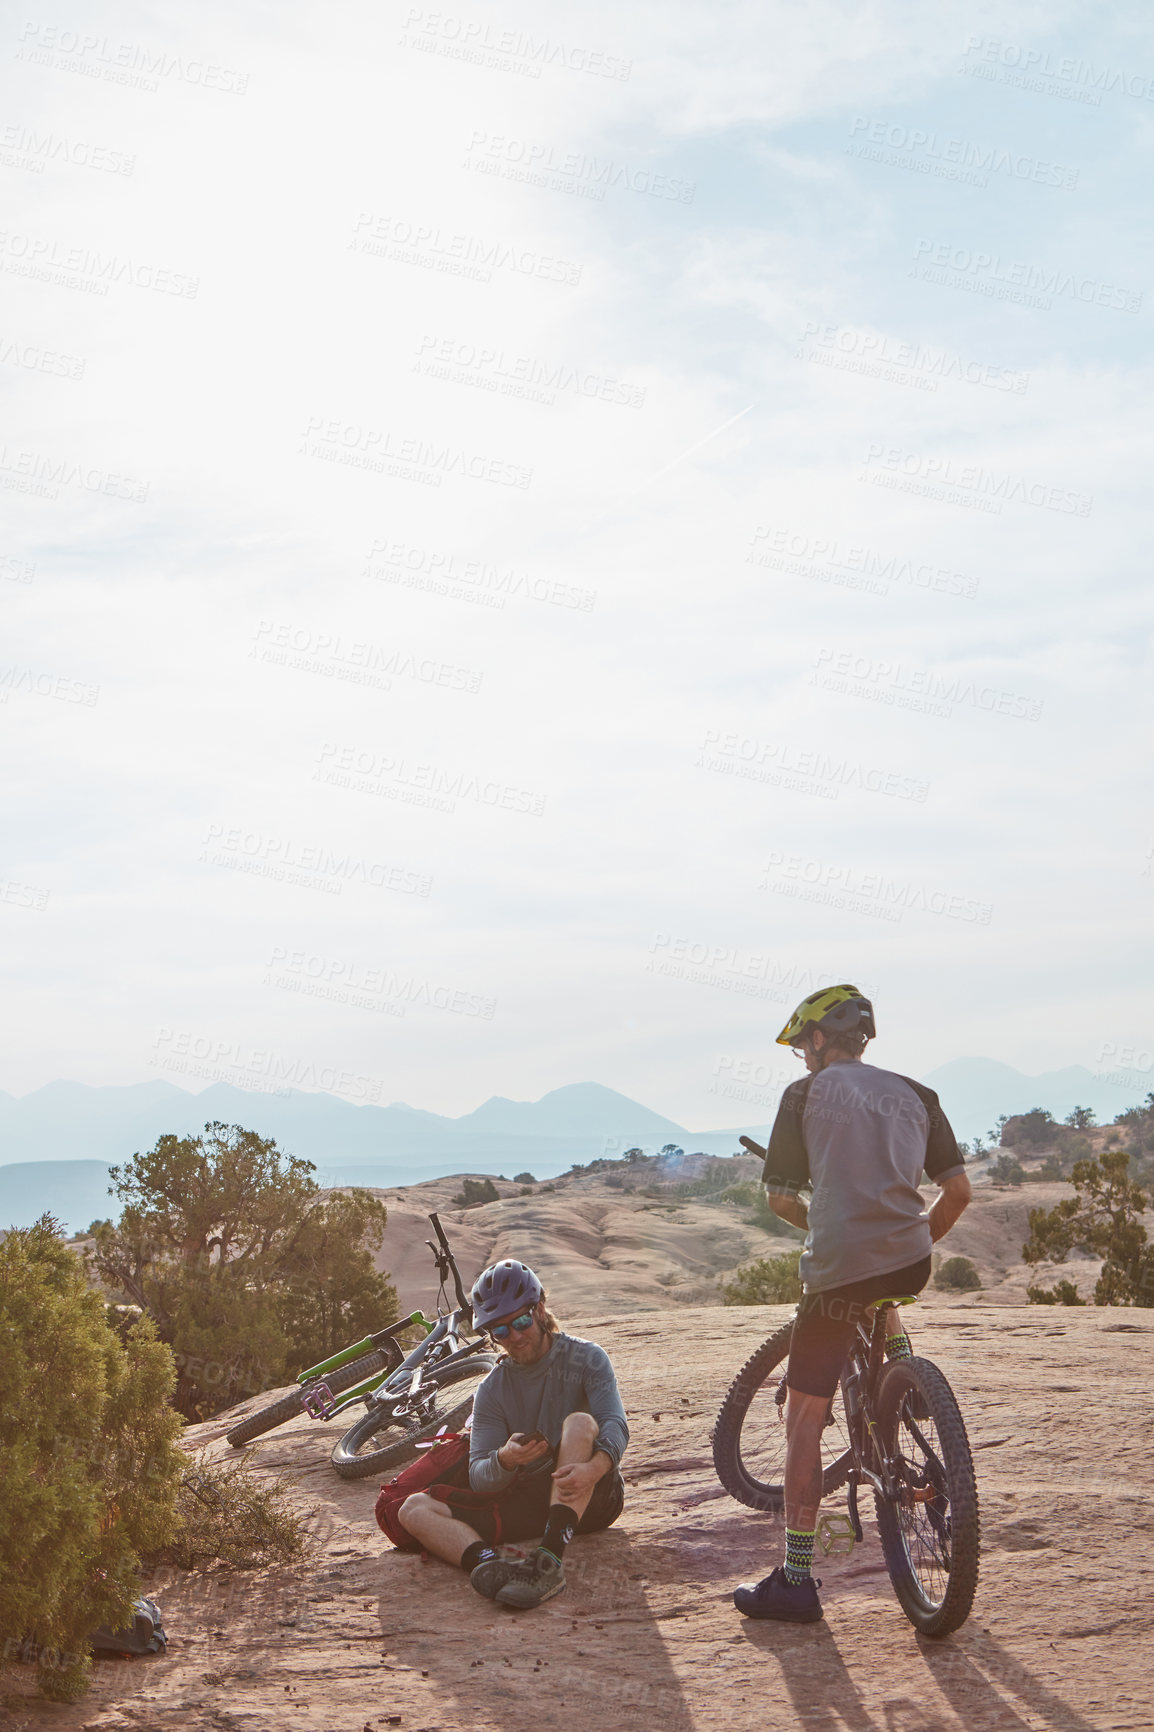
{"x": 1007, "y": 1171}
{"x": 768, "y": 1281}
{"x": 226, "y": 1513}
{"x": 90, "y": 1466}
{"x": 1030, "y": 1130}
{"x": 1064, "y": 1293}
{"x": 1104, "y": 1218}
{"x": 524, "y": 1179}
{"x": 957, "y": 1275}
{"x": 248, "y": 1273}
{"x": 476, "y": 1191}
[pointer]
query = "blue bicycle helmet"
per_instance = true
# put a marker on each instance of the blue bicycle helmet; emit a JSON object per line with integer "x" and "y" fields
{"x": 504, "y": 1290}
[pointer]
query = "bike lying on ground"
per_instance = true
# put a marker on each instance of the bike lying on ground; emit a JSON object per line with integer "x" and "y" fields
{"x": 408, "y": 1397}
{"x": 894, "y": 1426}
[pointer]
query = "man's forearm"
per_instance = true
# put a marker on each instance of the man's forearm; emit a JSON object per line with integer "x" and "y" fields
{"x": 602, "y": 1462}
{"x": 946, "y": 1210}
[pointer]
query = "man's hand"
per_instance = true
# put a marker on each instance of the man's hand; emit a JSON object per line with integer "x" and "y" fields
{"x": 578, "y": 1479}
{"x": 790, "y": 1209}
{"x": 520, "y": 1451}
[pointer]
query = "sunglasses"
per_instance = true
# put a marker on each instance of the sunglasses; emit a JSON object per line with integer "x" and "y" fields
{"x": 500, "y": 1331}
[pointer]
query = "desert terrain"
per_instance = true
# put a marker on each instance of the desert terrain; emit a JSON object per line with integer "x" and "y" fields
{"x": 1059, "y": 1407}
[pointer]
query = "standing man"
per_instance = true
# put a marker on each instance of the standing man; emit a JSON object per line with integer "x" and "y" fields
{"x": 859, "y": 1138}
{"x": 548, "y": 1435}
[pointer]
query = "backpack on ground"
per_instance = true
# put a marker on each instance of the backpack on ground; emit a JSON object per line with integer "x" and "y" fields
{"x": 144, "y": 1635}
{"x": 444, "y": 1466}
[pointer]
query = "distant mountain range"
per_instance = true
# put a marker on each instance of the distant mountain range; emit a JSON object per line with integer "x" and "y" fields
{"x": 57, "y": 1143}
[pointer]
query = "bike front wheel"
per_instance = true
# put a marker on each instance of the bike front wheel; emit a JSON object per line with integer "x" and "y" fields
{"x": 930, "y": 1528}
{"x": 749, "y": 1436}
{"x": 361, "y": 1450}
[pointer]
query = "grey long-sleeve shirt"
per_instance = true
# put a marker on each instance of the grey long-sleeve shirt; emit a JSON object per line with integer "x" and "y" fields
{"x": 575, "y": 1376}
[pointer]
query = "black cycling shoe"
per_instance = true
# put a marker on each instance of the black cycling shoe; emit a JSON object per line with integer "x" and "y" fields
{"x": 777, "y": 1597}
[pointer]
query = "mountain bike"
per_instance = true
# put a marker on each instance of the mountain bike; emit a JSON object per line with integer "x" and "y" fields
{"x": 407, "y": 1396}
{"x": 894, "y": 1426}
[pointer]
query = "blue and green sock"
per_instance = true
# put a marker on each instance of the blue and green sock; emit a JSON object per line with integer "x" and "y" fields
{"x": 898, "y": 1346}
{"x": 799, "y": 1555}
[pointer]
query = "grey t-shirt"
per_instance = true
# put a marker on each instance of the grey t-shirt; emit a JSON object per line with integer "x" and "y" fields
{"x": 575, "y": 1376}
{"x": 860, "y": 1138}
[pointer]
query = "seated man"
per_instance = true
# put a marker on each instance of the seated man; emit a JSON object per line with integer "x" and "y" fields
{"x": 548, "y": 1435}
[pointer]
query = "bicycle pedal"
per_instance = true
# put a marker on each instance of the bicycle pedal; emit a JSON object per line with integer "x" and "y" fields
{"x": 319, "y": 1402}
{"x": 836, "y": 1536}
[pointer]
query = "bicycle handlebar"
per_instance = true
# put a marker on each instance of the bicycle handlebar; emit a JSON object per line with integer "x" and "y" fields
{"x": 451, "y": 1264}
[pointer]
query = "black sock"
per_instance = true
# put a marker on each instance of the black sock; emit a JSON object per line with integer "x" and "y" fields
{"x": 478, "y": 1553}
{"x": 561, "y": 1527}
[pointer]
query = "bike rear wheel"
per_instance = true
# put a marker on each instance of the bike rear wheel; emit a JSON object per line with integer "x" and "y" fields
{"x": 749, "y": 1436}
{"x": 289, "y": 1406}
{"x": 930, "y": 1534}
{"x": 360, "y": 1451}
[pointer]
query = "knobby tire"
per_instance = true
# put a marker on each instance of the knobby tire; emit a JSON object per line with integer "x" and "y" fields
{"x": 289, "y": 1406}
{"x": 733, "y": 1470}
{"x": 932, "y": 1612}
{"x": 353, "y": 1460}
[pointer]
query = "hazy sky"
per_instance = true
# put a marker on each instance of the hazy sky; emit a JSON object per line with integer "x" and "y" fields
{"x": 534, "y": 536}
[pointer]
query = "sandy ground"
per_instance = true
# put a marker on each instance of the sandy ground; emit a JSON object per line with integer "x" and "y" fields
{"x": 1059, "y": 1409}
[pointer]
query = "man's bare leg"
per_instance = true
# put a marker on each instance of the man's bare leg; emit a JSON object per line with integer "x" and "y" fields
{"x": 804, "y": 1424}
{"x": 895, "y": 1324}
{"x": 578, "y": 1444}
{"x": 429, "y": 1521}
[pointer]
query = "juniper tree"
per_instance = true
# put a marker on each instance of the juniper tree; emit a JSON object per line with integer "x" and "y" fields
{"x": 91, "y": 1471}
{"x": 1104, "y": 1218}
{"x": 248, "y": 1272}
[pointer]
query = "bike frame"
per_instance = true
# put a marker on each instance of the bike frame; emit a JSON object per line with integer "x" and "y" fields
{"x": 872, "y": 1464}
{"x": 401, "y": 1381}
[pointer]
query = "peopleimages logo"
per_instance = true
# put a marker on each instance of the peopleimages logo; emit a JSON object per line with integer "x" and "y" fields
{"x": 404, "y": 242}
{"x": 383, "y": 989}
{"x": 752, "y": 974}
{"x": 490, "y": 368}
{"x": 878, "y": 356}
{"x": 122, "y": 62}
{"x": 849, "y": 564}
{"x": 24, "y": 147}
{"x": 361, "y": 663}
{"x": 309, "y": 865}
{"x": 1065, "y": 75}
{"x": 52, "y": 261}
{"x": 925, "y": 689}
{"x": 442, "y": 572}
{"x": 874, "y": 893}
{"x": 257, "y": 1068}
{"x": 386, "y": 452}
{"x": 568, "y": 170}
{"x": 951, "y": 158}
{"x": 782, "y": 764}
{"x": 415, "y": 783}
{"x": 1016, "y": 280}
{"x": 486, "y": 44}
{"x": 943, "y": 478}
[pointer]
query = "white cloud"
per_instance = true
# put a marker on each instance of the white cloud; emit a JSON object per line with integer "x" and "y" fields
{"x": 288, "y": 448}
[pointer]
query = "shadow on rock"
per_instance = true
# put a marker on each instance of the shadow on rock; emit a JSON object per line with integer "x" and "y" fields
{"x": 592, "y": 1656}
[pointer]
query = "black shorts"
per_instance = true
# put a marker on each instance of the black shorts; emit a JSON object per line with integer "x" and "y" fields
{"x": 522, "y": 1512}
{"x": 824, "y": 1329}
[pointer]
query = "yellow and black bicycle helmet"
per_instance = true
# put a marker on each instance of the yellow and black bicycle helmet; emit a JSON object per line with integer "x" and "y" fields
{"x": 833, "y": 1009}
